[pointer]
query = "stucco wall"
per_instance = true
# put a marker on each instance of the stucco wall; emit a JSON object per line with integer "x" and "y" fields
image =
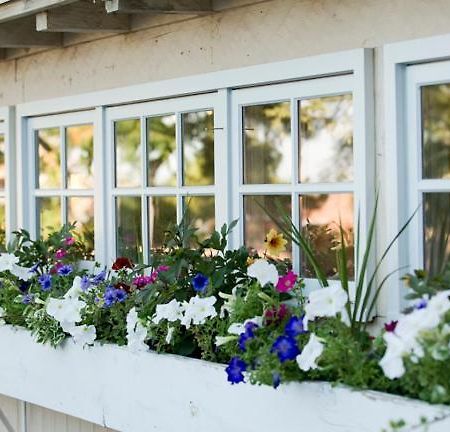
{"x": 244, "y": 33}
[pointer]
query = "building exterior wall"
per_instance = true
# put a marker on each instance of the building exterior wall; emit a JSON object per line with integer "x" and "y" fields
{"x": 245, "y": 32}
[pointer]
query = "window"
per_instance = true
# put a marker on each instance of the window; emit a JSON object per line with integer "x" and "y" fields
{"x": 296, "y": 152}
{"x": 163, "y": 159}
{"x": 428, "y": 152}
{"x": 63, "y": 177}
{"x": 3, "y": 126}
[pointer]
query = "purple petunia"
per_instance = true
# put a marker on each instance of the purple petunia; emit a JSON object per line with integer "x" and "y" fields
{"x": 65, "y": 270}
{"x": 286, "y": 348}
{"x": 294, "y": 327}
{"x": 45, "y": 281}
{"x": 98, "y": 278}
{"x": 200, "y": 282}
{"x": 113, "y": 295}
{"x": 27, "y": 299}
{"x": 247, "y": 335}
{"x": 235, "y": 370}
{"x": 85, "y": 283}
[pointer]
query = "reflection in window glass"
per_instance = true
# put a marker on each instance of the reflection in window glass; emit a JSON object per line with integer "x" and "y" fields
{"x": 258, "y": 223}
{"x": 198, "y": 148}
{"x": 320, "y": 217}
{"x": 436, "y": 131}
{"x": 267, "y": 143}
{"x": 436, "y": 223}
{"x": 200, "y": 213}
{"x": 49, "y": 209}
{"x": 162, "y": 157}
{"x": 80, "y": 157}
{"x": 2, "y": 162}
{"x": 2, "y": 224}
{"x": 49, "y": 153}
{"x": 162, "y": 212}
{"x": 129, "y": 228}
{"x": 128, "y": 153}
{"x": 80, "y": 210}
{"x": 326, "y": 139}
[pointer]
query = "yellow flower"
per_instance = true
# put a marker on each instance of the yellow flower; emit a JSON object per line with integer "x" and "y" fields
{"x": 275, "y": 243}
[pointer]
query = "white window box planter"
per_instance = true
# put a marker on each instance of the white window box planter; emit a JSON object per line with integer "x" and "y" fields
{"x": 146, "y": 392}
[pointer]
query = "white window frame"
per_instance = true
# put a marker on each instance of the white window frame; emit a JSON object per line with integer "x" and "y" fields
{"x": 395, "y": 185}
{"x": 357, "y": 62}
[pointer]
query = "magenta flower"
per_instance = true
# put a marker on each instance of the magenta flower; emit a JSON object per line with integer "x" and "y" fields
{"x": 69, "y": 241}
{"x": 286, "y": 282}
{"x": 162, "y": 268}
{"x": 390, "y": 327}
{"x": 60, "y": 254}
{"x": 142, "y": 281}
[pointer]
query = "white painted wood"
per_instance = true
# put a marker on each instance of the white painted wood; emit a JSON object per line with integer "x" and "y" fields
{"x": 108, "y": 385}
{"x": 10, "y": 420}
{"x": 159, "y": 6}
{"x": 81, "y": 17}
{"x": 20, "y": 8}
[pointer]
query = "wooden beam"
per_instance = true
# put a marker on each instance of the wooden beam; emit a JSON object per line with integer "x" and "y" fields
{"x": 160, "y": 6}
{"x": 15, "y": 9}
{"x": 22, "y": 34}
{"x": 82, "y": 17}
{"x": 2, "y": 53}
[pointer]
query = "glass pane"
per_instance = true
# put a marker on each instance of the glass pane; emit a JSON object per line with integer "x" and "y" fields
{"x": 258, "y": 224}
{"x": 267, "y": 143}
{"x": 201, "y": 214}
{"x": 128, "y": 153}
{"x": 49, "y": 209}
{"x": 80, "y": 157}
{"x": 162, "y": 212}
{"x": 2, "y": 162}
{"x": 80, "y": 210}
{"x": 436, "y": 231}
{"x": 436, "y": 131}
{"x": 49, "y": 153}
{"x": 162, "y": 155}
{"x": 326, "y": 139}
{"x": 129, "y": 228}
{"x": 2, "y": 224}
{"x": 320, "y": 216}
{"x": 198, "y": 148}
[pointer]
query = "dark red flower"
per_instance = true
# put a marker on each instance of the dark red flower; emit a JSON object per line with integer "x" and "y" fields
{"x": 390, "y": 327}
{"x": 122, "y": 262}
{"x": 123, "y": 286}
{"x": 56, "y": 267}
{"x": 276, "y": 315}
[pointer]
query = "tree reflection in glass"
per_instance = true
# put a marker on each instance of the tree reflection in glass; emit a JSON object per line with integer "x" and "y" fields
{"x": 49, "y": 209}
{"x": 128, "y": 152}
{"x": 2, "y": 162}
{"x": 129, "y": 228}
{"x": 81, "y": 211}
{"x": 80, "y": 157}
{"x": 200, "y": 212}
{"x": 162, "y": 211}
{"x": 49, "y": 155}
{"x": 198, "y": 148}
{"x": 267, "y": 143}
{"x": 326, "y": 139}
{"x": 257, "y": 223}
{"x": 162, "y": 156}
{"x": 320, "y": 217}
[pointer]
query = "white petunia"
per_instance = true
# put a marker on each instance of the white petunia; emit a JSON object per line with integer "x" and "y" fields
{"x": 169, "y": 334}
{"x": 264, "y": 272}
{"x": 311, "y": 352}
{"x": 198, "y": 310}
{"x": 7, "y": 261}
{"x": 23, "y": 273}
{"x": 2, "y": 315}
{"x": 228, "y": 305}
{"x": 239, "y": 328}
{"x": 171, "y": 312}
{"x": 222, "y": 340}
{"x": 136, "y": 332}
{"x": 83, "y": 335}
{"x": 75, "y": 291}
{"x": 65, "y": 310}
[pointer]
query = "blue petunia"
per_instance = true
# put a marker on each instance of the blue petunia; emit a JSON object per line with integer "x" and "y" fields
{"x": 200, "y": 282}
{"x": 235, "y": 370}
{"x": 34, "y": 269}
{"x": 247, "y": 335}
{"x": 27, "y": 299}
{"x": 45, "y": 281}
{"x": 113, "y": 295}
{"x": 294, "y": 327}
{"x": 98, "y": 278}
{"x": 65, "y": 270}
{"x": 286, "y": 348}
{"x": 422, "y": 304}
{"x": 85, "y": 283}
{"x": 276, "y": 380}
{"x": 121, "y": 295}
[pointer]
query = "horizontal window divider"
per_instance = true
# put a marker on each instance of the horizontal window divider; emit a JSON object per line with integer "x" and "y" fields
{"x": 169, "y": 191}
{"x": 313, "y": 188}
{"x": 434, "y": 185}
{"x": 64, "y": 192}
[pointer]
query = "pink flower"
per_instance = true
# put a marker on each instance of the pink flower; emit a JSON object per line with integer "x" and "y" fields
{"x": 60, "y": 254}
{"x": 142, "y": 281}
{"x": 162, "y": 268}
{"x": 69, "y": 241}
{"x": 276, "y": 315}
{"x": 286, "y": 282}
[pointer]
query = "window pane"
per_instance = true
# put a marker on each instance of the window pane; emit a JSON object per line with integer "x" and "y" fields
{"x": 2, "y": 162}
{"x": 80, "y": 157}
{"x": 200, "y": 213}
{"x": 49, "y": 153}
{"x": 326, "y": 139}
{"x": 436, "y": 131}
{"x": 162, "y": 155}
{"x": 258, "y": 223}
{"x": 198, "y": 148}
{"x": 129, "y": 228}
{"x": 320, "y": 216}
{"x": 2, "y": 224}
{"x": 80, "y": 210}
{"x": 267, "y": 143}
{"x": 128, "y": 153}
{"x": 49, "y": 209}
{"x": 436, "y": 231}
{"x": 162, "y": 212}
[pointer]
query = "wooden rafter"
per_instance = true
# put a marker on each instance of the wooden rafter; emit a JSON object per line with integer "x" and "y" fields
{"x": 160, "y": 6}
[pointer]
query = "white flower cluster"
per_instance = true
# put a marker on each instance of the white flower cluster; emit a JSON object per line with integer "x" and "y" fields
{"x": 263, "y": 272}
{"x": 194, "y": 312}
{"x": 9, "y": 262}
{"x": 405, "y": 340}
{"x": 306, "y": 360}
{"x": 67, "y": 311}
{"x": 136, "y": 332}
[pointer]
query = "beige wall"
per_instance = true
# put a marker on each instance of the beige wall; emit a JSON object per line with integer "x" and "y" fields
{"x": 245, "y": 32}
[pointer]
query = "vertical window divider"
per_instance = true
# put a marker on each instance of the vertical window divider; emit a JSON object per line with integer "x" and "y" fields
{"x": 179, "y": 146}
{"x": 62, "y": 196}
{"x": 144, "y": 196}
{"x": 295, "y": 206}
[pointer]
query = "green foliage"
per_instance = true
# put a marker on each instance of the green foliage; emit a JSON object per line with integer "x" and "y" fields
{"x": 422, "y": 284}
{"x": 44, "y": 328}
